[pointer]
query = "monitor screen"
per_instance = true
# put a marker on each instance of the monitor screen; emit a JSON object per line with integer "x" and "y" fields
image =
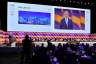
{"x": 46, "y": 18}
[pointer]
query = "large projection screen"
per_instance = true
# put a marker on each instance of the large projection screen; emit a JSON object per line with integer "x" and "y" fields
{"x": 44, "y": 18}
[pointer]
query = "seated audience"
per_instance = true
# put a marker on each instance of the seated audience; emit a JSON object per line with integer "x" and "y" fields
{"x": 61, "y": 54}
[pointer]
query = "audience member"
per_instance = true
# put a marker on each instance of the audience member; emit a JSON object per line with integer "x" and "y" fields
{"x": 26, "y": 53}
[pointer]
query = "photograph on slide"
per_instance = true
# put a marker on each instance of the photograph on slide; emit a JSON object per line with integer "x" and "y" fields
{"x": 34, "y": 18}
{"x": 68, "y": 19}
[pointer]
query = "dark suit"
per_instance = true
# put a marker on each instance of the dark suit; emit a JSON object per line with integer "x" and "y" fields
{"x": 63, "y": 24}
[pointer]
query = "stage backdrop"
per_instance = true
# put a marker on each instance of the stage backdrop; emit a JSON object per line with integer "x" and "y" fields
{"x": 35, "y": 35}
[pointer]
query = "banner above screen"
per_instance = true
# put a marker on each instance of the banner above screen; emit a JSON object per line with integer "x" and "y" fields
{"x": 44, "y": 18}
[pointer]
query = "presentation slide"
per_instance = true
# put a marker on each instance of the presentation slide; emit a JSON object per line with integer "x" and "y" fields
{"x": 44, "y": 18}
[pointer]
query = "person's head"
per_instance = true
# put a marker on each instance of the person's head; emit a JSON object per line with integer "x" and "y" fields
{"x": 59, "y": 44}
{"x": 66, "y": 14}
{"x": 87, "y": 44}
{"x": 42, "y": 44}
{"x": 48, "y": 41}
{"x": 26, "y": 37}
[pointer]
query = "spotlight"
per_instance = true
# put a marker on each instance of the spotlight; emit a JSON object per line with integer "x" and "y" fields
{"x": 70, "y": 1}
{"x": 85, "y": 3}
{"x": 91, "y": 3}
{"x": 88, "y": 3}
{"x": 78, "y": 3}
{"x": 60, "y": 0}
{"x": 74, "y": 2}
{"x": 81, "y": 2}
